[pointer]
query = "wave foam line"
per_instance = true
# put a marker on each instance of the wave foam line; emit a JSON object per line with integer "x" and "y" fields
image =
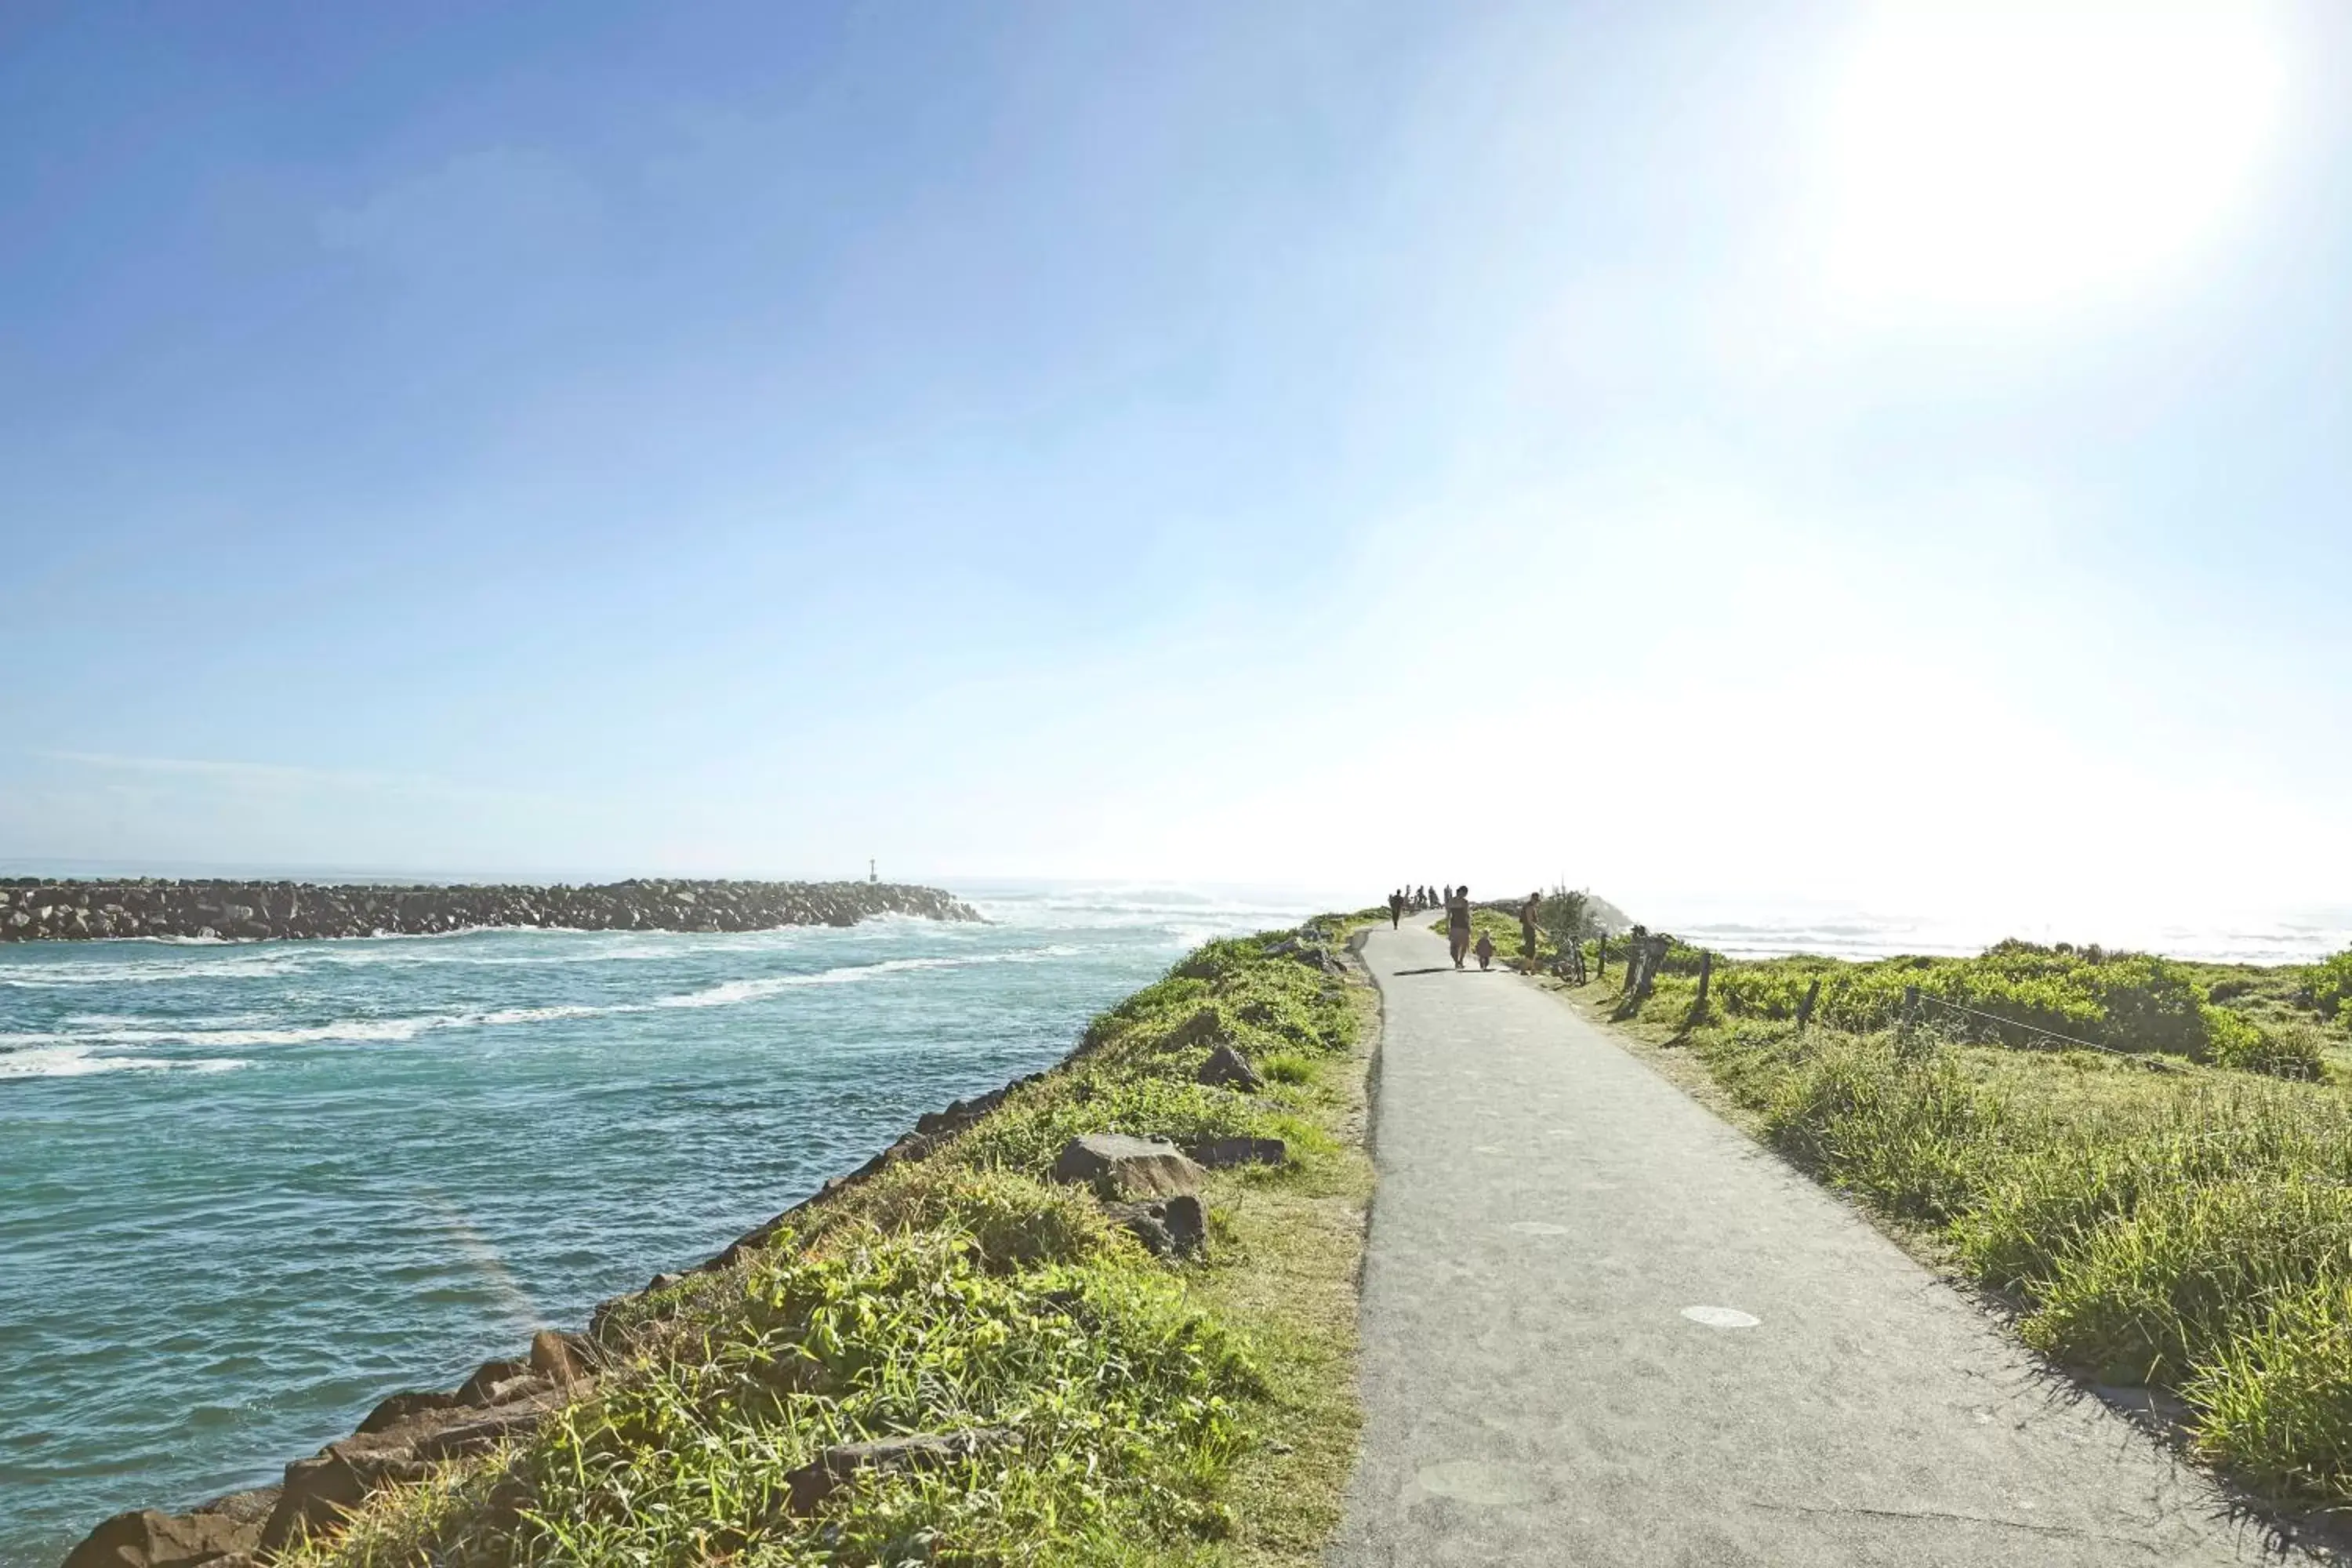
{"x": 374, "y": 1031}
{"x": 81, "y": 1061}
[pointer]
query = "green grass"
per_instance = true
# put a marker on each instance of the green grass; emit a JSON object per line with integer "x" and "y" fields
{"x": 1286, "y": 1067}
{"x": 2021, "y": 994}
{"x": 1197, "y": 1412}
{"x": 1505, "y": 930}
{"x": 2187, "y": 1228}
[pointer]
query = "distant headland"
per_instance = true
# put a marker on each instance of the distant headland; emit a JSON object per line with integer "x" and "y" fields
{"x": 31, "y": 909}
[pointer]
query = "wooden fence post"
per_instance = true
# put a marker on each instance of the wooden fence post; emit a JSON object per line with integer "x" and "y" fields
{"x": 1805, "y": 1008}
{"x": 1644, "y": 973}
{"x": 1601, "y": 955}
{"x": 1706, "y": 973}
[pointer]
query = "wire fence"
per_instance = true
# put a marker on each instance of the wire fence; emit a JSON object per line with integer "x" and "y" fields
{"x": 1913, "y": 997}
{"x": 1646, "y": 950}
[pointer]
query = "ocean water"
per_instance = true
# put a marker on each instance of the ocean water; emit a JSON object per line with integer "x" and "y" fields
{"x": 246, "y": 1190}
{"x": 1790, "y": 926}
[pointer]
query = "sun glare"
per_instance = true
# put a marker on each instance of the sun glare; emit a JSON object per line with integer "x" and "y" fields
{"x": 2006, "y": 155}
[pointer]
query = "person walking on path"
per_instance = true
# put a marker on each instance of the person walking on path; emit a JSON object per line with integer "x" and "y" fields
{"x": 1485, "y": 950}
{"x": 1396, "y": 910}
{"x": 1457, "y": 922}
{"x": 1528, "y": 929}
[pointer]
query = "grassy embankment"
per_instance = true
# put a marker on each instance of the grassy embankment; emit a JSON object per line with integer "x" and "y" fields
{"x": 2173, "y": 1210}
{"x": 1150, "y": 1412}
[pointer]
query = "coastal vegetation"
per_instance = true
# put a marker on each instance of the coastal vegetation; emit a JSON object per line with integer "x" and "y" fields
{"x": 2163, "y": 1198}
{"x": 973, "y": 1352}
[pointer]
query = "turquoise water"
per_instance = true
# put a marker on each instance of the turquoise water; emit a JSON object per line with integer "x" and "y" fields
{"x": 246, "y": 1190}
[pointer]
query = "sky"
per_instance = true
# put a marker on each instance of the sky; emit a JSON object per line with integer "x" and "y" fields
{"x": 1896, "y": 454}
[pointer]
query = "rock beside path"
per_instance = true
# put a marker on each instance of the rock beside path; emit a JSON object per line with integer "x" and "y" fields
{"x": 1172, "y": 1227}
{"x": 37, "y": 911}
{"x": 835, "y": 1466}
{"x": 1129, "y": 1167}
{"x": 1229, "y": 1067}
{"x": 1223, "y": 1153}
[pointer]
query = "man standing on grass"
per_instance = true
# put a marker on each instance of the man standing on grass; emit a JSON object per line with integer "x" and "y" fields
{"x": 1457, "y": 922}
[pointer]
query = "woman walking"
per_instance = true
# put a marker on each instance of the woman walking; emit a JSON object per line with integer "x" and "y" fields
{"x": 1457, "y": 922}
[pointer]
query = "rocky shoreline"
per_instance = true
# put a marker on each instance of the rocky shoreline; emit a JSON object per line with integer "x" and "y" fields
{"x": 37, "y": 911}
{"x": 407, "y": 1435}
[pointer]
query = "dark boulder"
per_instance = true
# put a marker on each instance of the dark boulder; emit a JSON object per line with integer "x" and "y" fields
{"x": 146, "y": 1538}
{"x": 395, "y": 1409}
{"x": 1172, "y": 1227}
{"x": 1127, "y": 1167}
{"x": 320, "y": 1489}
{"x": 1222, "y": 1153}
{"x": 833, "y": 1468}
{"x": 1208, "y": 1023}
{"x": 483, "y": 1387}
{"x": 252, "y": 1508}
{"x": 479, "y": 1430}
{"x": 1230, "y": 1069}
{"x": 559, "y": 1357}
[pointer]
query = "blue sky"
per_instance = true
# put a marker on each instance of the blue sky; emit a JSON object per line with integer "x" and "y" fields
{"x": 1823, "y": 450}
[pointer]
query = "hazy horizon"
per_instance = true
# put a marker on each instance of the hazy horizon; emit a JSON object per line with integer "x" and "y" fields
{"x": 1881, "y": 456}
{"x": 1748, "y": 926}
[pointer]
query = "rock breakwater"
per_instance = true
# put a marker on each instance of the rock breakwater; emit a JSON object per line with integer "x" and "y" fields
{"x": 37, "y": 911}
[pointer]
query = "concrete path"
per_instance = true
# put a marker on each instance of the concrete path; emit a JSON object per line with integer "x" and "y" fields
{"x": 1601, "y": 1327}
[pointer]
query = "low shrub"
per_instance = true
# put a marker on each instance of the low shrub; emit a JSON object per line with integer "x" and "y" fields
{"x": 2022, "y": 994}
{"x": 1014, "y": 1221}
{"x": 2331, "y": 987}
{"x": 1283, "y": 1067}
{"x": 1260, "y": 1005}
{"x": 2279, "y": 1051}
{"x": 1769, "y": 990}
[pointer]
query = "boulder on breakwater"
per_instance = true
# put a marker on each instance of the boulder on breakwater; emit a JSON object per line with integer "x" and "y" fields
{"x": 37, "y": 911}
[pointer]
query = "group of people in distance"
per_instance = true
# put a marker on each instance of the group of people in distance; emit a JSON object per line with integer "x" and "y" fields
{"x": 1456, "y": 903}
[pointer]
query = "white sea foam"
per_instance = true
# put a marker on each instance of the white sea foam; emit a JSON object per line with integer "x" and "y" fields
{"x": 81, "y": 1061}
{"x": 358, "y": 1030}
{"x": 104, "y": 1030}
{"x": 500, "y": 1016}
{"x": 156, "y": 970}
{"x": 731, "y": 993}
